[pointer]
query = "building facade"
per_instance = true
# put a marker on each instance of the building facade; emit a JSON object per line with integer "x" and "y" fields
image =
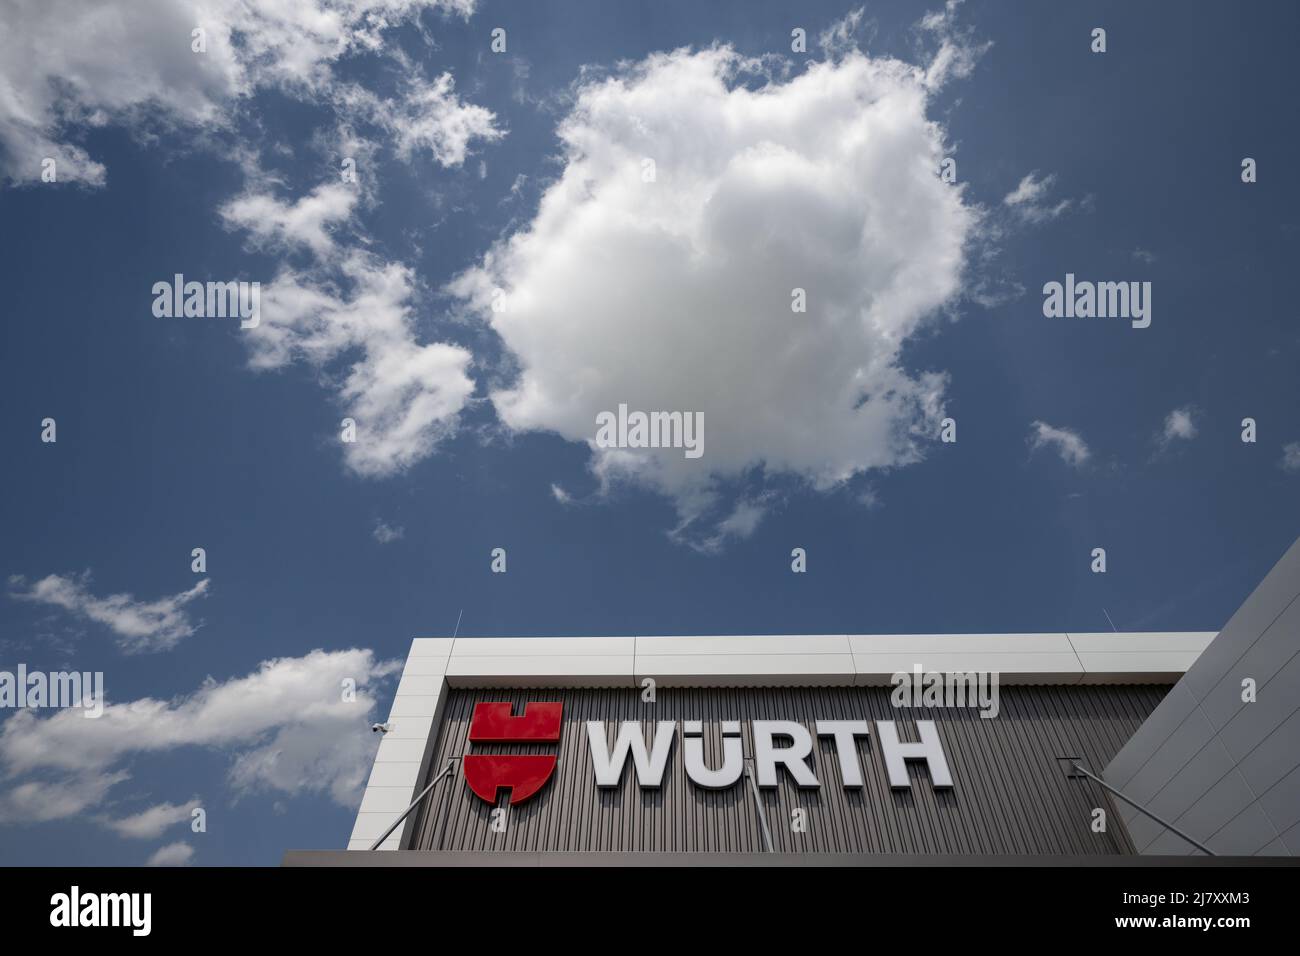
{"x": 825, "y": 749}
{"x": 806, "y": 744}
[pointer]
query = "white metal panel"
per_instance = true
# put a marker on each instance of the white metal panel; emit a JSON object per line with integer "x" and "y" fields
{"x": 392, "y": 843}
{"x": 385, "y": 800}
{"x": 425, "y": 666}
{"x": 471, "y": 647}
{"x": 774, "y": 669}
{"x": 432, "y": 646}
{"x": 412, "y": 728}
{"x": 1022, "y": 668}
{"x": 394, "y": 774}
{"x": 419, "y": 685}
{"x": 370, "y": 826}
{"x": 801, "y": 645}
{"x": 1120, "y": 668}
{"x": 1056, "y": 642}
{"x": 575, "y": 666}
{"x": 1141, "y": 642}
{"x": 398, "y": 750}
{"x": 414, "y": 705}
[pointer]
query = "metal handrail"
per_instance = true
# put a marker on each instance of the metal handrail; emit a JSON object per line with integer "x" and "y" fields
{"x": 451, "y": 762}
{"x": 1141, "y": 809}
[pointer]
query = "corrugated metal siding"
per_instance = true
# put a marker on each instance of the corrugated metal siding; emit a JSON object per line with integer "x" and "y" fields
{"x": 1010, "y": 794}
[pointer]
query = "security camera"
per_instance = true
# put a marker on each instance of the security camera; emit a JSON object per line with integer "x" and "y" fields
{"x": 379, "y": 728}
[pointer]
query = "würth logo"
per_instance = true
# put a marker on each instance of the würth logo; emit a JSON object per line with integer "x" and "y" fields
{"x": 524, "y": 774}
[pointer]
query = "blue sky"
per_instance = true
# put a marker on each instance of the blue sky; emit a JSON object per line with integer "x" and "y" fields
{"x": 168, "y": 439}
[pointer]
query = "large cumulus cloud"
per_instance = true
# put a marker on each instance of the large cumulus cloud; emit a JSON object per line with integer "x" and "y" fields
{"x": 676, "y": 294}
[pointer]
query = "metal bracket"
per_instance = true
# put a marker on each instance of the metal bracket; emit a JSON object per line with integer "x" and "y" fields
{"x": 1067, "y": 763}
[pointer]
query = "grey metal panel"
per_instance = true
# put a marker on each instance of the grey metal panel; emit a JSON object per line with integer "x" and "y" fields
{"x": 1010, "y": 796}
{"x": 1164, "y": 721}
{"x": 1265, "y": 605}
{"x": 1292, "y": 840}
{"x": 1203, "y": 766}
{"x": 1144, "y": 831}
{"x": 1176, "y": 795}
{"x": 1265, "y": 661}
{"x": 1249, "y": 829}
{"x": 1281, "y": 802}
{"x": 1276, "y": 703}
{"x": 1215, "y": 808}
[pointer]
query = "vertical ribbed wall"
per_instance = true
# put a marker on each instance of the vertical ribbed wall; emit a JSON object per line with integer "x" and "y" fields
{"x": 1010, "y": 795}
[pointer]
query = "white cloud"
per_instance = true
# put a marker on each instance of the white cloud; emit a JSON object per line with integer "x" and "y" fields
{"x": 67, "y": 66}
{"x": 1030, "y": 190}
{"x": 67, "y": 795}
{"x": 1029, "y": 199}
{"x": 428, "y": 118}
{"x": 676, "y": 295}
{"x": 404, "y": 396}
{"x": 1180, "y": 425}
{"x": 741, "y": 523}
{"x": 286, "y": 724}
{"x": 1068, "y": 444}
{"x": 958, "y": 51}
{"x": 386, "y": 534}
{"x": 139, "y": 626}
{"x": 173, "y": 854}
{"x": 560, "y": 495}
{"x": 842, "y": 35}
{"x": 151, "y": 823}
{"x": 308, "y": 222}
{"x": 1291, "y": 457}
{"x": 315, "y": 757}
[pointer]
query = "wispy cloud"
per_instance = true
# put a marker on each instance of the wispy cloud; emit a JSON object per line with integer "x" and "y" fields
{"x": 429, "y": 118}
{"x": 307, "y": 223}
{"x": 845, "y": 34}
{"x": 741, "y": 523}
{"x": 138, "y": 626}
{"x": 151, "y": 823}
{"x": 385, "y": 533}
{"x": 173, "y": 854}
{"x": 1180, "y": 425}
{"x": 1029, "y": 199}
{"x": 1291, "y": 457}
{"x": 1066, "y": 443}
{"x": 958, "y": 50}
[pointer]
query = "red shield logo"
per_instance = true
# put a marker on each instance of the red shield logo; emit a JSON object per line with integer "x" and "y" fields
{"x": 523, "y": 774}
